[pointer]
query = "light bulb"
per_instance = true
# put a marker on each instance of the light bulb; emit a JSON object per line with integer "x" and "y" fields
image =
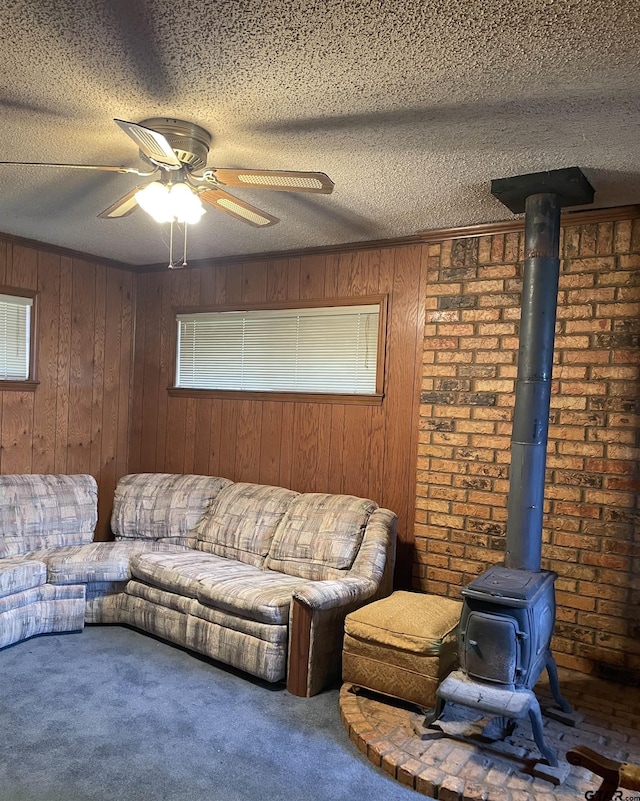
{"x": 154, "y": 199}
{"x": 186, "y": 207}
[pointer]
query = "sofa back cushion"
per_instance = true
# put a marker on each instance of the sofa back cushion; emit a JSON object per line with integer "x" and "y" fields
{"x": 162, "y": 506}
{"x": 242, "y": 521}
{"x": 46, "y": 511}
{"x": 320, "y": 535}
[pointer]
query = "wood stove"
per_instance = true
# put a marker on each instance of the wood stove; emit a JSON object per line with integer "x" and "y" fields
{"x": 506, "y": 626}
{"x": 509, "y": 611}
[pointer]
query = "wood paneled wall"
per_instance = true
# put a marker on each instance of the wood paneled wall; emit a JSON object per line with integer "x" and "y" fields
{"x": 77, "y": 419}
{"x": 316, "y": 447}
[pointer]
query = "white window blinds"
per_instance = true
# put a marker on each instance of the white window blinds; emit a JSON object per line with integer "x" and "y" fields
{"x": 329, "y": 349}
{"x": 15, "y": 333}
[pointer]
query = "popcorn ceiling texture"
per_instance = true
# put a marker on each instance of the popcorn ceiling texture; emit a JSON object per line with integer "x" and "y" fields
{"x": 411, "y": 108}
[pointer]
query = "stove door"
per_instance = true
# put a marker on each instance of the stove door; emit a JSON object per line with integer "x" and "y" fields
{"x": 491, "y": 648}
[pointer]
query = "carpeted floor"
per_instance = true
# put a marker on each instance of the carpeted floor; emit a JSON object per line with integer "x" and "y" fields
{"x": 112, "y": 714}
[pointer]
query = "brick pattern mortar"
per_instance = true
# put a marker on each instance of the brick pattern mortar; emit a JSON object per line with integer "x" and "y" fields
{"x": 591, "y": 534}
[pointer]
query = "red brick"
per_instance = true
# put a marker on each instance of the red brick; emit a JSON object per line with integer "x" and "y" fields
{"x": 428, "y": 782}
{"x": 592, "y": 449}
{"x": 604, "y": 238}
{"x": 591, "y": 295}
{"x": 622, "y": 236}
{"x": 480, "y": 315}
{"x": 575, "y": 601}
{"x": 578, "y": 509}
{"x": 588, "y": 326}
{"x": 497, "y": 248}
{"x": 453, "y": 357}
{"x": 610, "y": 466}
{"x": 590, "y": 591}
{"x": 573, "y": 280}
{"x": 455, "y": 330}
{"x": 597, "y": 265}
{"x": 444, "y": 315}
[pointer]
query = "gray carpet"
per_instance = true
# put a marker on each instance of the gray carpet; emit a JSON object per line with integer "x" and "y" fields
{"x": 112, "y": 714}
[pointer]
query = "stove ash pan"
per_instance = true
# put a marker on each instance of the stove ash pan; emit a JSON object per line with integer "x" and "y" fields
{"x": 506, "y": 626}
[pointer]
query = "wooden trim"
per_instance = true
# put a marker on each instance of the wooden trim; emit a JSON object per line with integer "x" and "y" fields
{"x": 18, "y": 386}
{"x": 293, "y": 397}
{"x": 33, "y": 339}
{"x": 304, "y": 303}
{"x": 299, "y": 649}
{"x": 588, "y": 216}
{"x": 58, "y": 250}
{"x": 17, "y": 292}
{"x": 382, "y": 346}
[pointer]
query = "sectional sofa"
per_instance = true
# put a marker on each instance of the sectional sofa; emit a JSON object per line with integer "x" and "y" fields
{"x": 258, "y": 577}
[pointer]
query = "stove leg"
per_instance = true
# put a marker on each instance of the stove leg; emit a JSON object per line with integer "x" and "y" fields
{"x": 434, "y": 713}
{"x": 535, "y": 716}
{"x": 554, "y": 683}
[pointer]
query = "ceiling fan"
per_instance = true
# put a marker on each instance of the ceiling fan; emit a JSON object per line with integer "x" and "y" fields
{"x": 177, "y": 153}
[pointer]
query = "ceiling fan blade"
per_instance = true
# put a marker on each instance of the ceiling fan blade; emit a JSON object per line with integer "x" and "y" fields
{"x": 237, "y": 208}
{"x": 283, "y": 180}
{"x": 153, "y": 144}
{"x": 123, "y": 207}
{"x": 101, "y": 167}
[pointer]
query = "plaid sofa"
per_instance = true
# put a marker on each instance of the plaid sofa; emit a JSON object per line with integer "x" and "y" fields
{"x": 256, "y": 576}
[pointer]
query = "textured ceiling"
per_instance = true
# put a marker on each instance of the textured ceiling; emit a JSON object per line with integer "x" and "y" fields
{"x": 411, "y": 108}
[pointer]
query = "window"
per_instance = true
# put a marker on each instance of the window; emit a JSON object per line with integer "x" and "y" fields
{"x": 330, "y": 349}
{"x": 16, "y": 335}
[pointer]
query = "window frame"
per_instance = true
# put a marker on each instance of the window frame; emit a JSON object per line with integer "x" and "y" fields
{"x": 30, "y": 383}
{"x": 372, "y": 399}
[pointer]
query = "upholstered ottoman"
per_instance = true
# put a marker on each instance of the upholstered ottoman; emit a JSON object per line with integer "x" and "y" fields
{"x": 402, "y": 646}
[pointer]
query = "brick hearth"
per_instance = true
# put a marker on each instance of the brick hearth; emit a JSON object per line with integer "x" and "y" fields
{"x": 463, "y": 769}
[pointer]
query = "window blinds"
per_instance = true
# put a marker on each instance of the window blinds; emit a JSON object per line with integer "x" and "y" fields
{"x": 15, "y": 333}
{"x": 328, "y": 349}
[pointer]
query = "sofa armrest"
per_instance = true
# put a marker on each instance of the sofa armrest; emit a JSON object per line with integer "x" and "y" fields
{"x": 332, "y": 594}
{"x": 316, "y": 630}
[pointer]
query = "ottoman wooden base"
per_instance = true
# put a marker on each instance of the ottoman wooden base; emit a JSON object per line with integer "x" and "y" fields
{"x": 402, "y": 646}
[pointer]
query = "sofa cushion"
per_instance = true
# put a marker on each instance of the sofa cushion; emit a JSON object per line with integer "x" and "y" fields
{"x": 101, "y": 561}
{"x": 319, "y": 536}
{"x": 16, "y": 576}
{"x": 264, "y": 596}
{"x": 242, "y": 520}
{"x": 221, "y": 583}
{"x": 162, "y": 506}
{"x": 182, "y": 572}
{"x": 45, "y": 511}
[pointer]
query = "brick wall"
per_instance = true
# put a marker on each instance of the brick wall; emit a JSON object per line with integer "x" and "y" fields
{"x": 592, "y": 520}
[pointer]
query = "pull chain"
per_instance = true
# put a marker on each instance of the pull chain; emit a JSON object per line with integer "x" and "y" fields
{"x": 171, "y": 264}
{"x": 184, "y": 246}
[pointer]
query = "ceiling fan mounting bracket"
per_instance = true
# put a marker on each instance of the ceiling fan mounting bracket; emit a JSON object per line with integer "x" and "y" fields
{"x": 189, "y": 141}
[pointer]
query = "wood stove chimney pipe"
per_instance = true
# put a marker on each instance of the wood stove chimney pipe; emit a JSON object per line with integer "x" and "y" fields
{"x": 540, "y": 196}
{"x": 533, "y": 384}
